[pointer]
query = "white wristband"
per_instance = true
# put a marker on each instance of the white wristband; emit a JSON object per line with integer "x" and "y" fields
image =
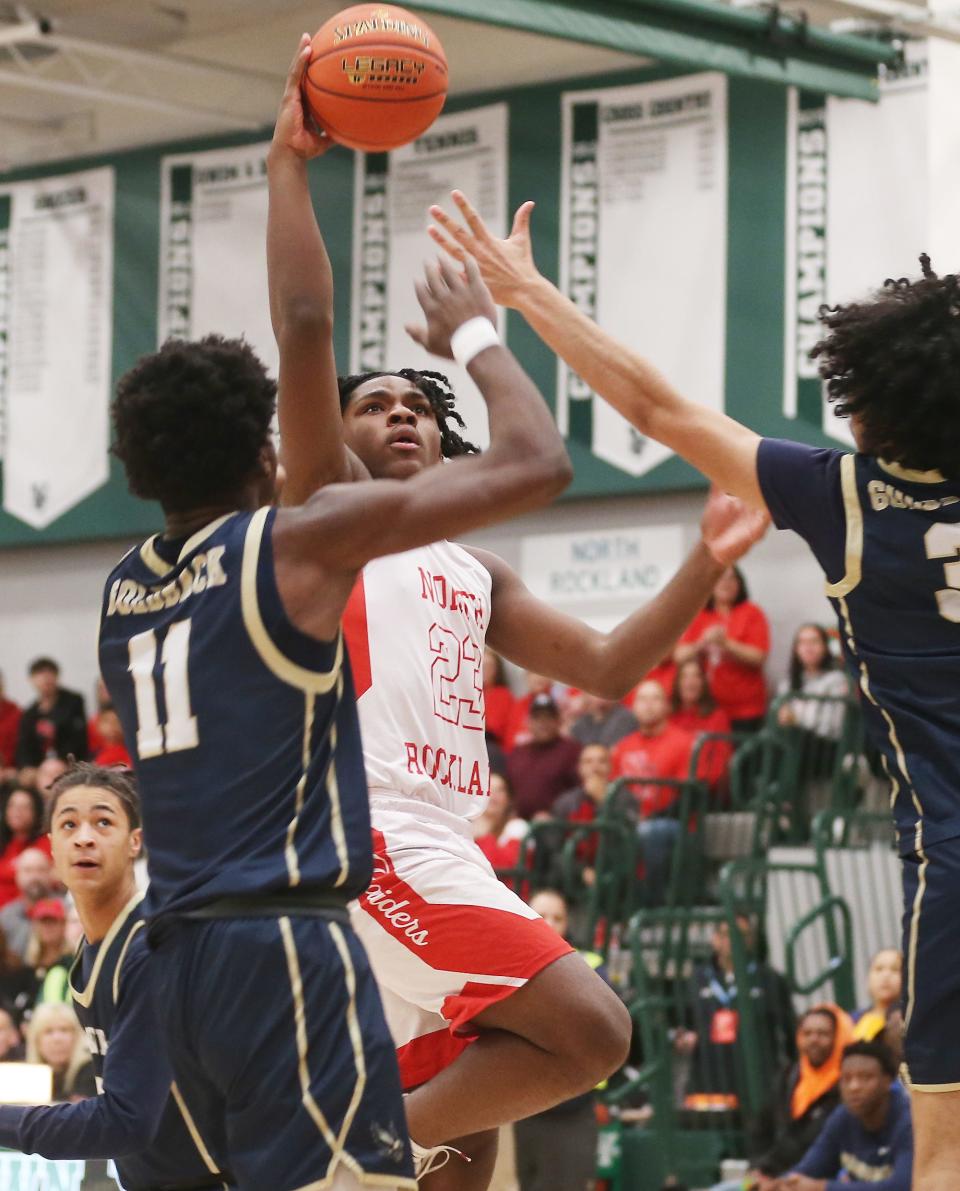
{"x": 471, "y": 338}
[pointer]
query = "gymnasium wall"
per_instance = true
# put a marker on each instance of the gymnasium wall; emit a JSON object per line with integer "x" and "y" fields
{"x": 664, "y": 206}
{"x": 627, "y": 171}
{"x": 51, "y": 595}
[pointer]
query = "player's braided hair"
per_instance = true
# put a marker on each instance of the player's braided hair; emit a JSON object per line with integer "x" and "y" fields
{"x": 894, "y": 360}
{"x": 98, "y": 777}
{"x": 191, "y": 420}
{"x": 437, "y": 390}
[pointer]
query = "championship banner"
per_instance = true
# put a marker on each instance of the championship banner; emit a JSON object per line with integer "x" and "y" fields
{"x": 56, "y": 334}
{"x": 643, "y": 251}
{"x": 213, "y": 256}
{"x": 851, "y": 219}
{"x": 464, "y": 151}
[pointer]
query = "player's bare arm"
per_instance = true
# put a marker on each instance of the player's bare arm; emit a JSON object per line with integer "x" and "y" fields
{"x": 301, "y": 302}
{"x": 320, "y": 546}
{"x": 537, "y": 637}
{"x": 724, "y": 450}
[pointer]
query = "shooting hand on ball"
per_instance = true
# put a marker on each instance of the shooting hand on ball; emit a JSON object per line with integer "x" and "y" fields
{"x": 450, "y": 299}
{"x": 295, "y": 131}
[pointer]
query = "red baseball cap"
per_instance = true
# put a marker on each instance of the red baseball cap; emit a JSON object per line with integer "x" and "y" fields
{"x": 49, "y": 907}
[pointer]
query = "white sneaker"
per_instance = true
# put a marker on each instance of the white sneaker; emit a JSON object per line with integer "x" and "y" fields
{"x": 426, "y": 1161}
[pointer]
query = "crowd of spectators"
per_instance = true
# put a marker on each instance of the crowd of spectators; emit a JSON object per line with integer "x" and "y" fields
{"x": 38, "y": 927}
{"x": 554, "y": 752}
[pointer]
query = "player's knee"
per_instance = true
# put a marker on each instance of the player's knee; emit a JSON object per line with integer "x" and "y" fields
{"x": 609, "y": 1035}
{"x": 597, "y": 1034}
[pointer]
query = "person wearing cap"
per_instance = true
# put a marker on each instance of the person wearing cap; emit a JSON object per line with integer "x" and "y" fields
{"x": 33, "y": 873}
{"x": 543, "y": 768}
{"x": 47, "y": 951}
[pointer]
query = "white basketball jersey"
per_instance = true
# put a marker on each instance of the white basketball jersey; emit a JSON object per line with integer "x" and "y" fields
{"x": 415, "y": 627}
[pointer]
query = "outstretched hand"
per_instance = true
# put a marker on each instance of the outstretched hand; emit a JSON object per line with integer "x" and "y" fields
{"x": 729, "y": 527}
{"x": 449, "y": 299}
{"x": 296, "y": 130}
{"x": 506, "y": 265}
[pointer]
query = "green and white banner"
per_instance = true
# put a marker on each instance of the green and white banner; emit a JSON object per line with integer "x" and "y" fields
{"x": 213, "y": 263}
{"x": 643, "y": 228}
{"x": 858, "y": 207}
{"x": 56, "y": 333}
{"x": 465, "y": 151}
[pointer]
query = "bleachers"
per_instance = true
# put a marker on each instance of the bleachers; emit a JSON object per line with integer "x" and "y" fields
{"x": 785, "y": 840}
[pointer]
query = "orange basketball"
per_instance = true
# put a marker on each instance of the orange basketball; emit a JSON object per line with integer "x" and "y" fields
{"x": 377, "y": 77}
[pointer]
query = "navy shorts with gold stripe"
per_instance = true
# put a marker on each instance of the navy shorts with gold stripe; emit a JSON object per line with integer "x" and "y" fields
{"x": 280, "y": 1050}
{"x": 931, "y": 959}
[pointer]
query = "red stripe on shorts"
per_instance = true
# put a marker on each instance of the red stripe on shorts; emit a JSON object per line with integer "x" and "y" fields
{"x": 454, "y": 937}
{"x": 424, "y": 1057}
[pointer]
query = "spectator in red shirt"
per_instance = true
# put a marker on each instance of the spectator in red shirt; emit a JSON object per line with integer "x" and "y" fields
{"x": 658, "y": 750}
{"x": 498, "y": 699}
{"x": 732, "y": 637}
{"x": 21, "y": 827}
{"x": 9, "y": 729}
{"x": 112, "y": 750}
{"x": 664, "y": 673}
{"x": 695, "y": 711}
{"x": 499, "y": 833}
{"x": 544, "y": 768}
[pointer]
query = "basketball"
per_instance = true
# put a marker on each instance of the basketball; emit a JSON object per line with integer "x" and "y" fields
{"x": 377, "y": 77}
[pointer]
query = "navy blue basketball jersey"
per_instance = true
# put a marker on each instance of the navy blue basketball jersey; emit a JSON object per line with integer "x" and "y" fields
{"x": 243, "y": 730}
{"x": 888, "y": 540}
{"x": 113, "y": 999}
{"x": 139, "y": 1118}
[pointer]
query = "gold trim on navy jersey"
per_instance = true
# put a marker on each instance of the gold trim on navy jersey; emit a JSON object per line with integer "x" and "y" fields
{"x": 911, "y": 475}
{"x": 314, "y": 1110}
{"x": 853, "y": 551}
{"x": 318, "y": 681}
{"x": 888, "y": 719}
{"x": 333, "y": 794}
{"x": 118, "y": 966}
{"x": 914, "y": 940}
{"x": 201, "y": 536}
{"x": 339, "y": 1154}
{"x": 151, "y": 559}
{"x": 85, "y": 998}
{"x": 293, "y": 860}
{"x": 191, "y": 1125}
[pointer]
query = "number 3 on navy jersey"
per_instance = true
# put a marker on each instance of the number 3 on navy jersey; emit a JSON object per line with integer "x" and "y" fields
{"x": 943, "y": 541}
{"x": 180, "y": 729}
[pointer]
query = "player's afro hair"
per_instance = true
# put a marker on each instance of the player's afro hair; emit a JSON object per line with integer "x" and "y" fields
{"x": 437, "y": 390}
{"x": 190, "y": 421}
{"x": 894, "y": 360}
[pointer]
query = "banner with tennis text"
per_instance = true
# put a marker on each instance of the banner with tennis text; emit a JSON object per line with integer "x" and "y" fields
{"x": 466, "y": 151}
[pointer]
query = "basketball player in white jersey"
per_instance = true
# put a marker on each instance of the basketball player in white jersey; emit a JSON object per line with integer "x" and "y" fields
{"x": 494, "y": 1016}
